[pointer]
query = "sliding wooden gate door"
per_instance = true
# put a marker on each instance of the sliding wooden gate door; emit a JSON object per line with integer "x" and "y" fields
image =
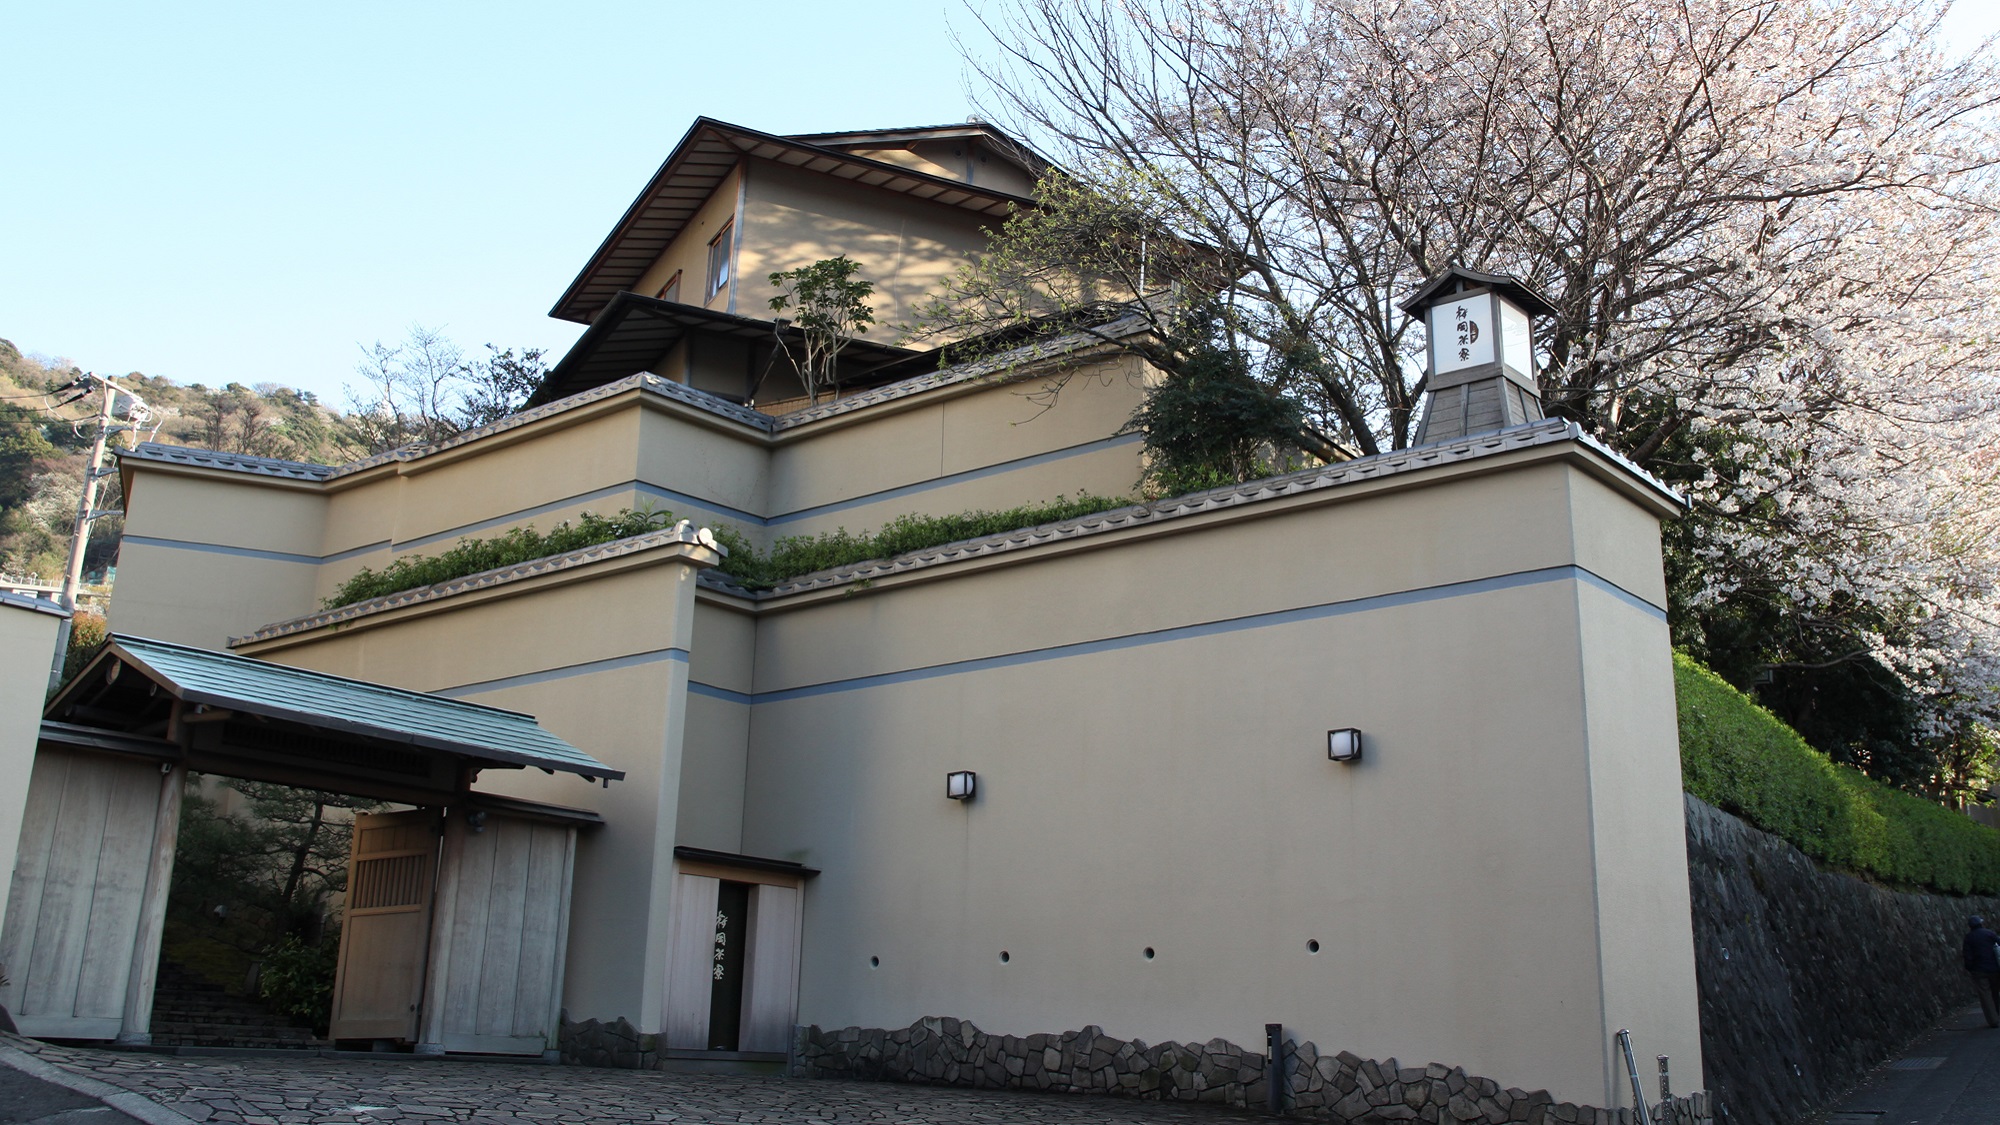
{"x": 88, "y": 894}
{"x": 733, "y": 973}
{"x": 379, "y": 987}
{"x": 501, "y": 936}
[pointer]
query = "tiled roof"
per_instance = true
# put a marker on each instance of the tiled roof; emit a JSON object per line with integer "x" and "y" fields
{"x": 39, "y": 605}
{"x": 232, "y": 462}
{"x": 1550, "y": 432}
{"x": 1004, "y": 365}
{"x": 682, "y": 532}
{"x": 259, "y": 687}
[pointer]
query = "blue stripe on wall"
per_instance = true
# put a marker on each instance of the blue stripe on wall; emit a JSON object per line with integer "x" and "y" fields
{"x": 637, "y": 659}
{"x": 955, "y": 478}
{"x": 219, "y": 549}
{"x": 1189, "y": 632}
{"x": 667, "y": 495}
{"x": 1081, "y": 648}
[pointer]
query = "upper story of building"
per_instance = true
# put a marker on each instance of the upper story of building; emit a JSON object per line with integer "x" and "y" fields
{"x": 681, "y": 286}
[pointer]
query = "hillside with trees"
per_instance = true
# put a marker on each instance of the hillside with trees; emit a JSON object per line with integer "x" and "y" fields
{"x": 47, "y": 425}
{"x": 421, "y": 389}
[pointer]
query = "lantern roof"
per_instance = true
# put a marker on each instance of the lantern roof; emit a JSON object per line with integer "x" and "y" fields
{"x": 1457, "y": 278}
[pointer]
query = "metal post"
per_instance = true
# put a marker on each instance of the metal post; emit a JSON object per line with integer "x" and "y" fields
{"x": 1274, "y": 1068}
{"x": 1639, "y": 1113}
{"x": 1666, "y": 1086}
{"x": 80, "y": 537}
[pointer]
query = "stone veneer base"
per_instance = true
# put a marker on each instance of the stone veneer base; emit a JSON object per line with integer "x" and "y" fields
{"x": 1341, "y": 1087}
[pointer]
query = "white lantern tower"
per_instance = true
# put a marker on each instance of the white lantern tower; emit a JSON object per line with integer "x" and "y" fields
{"x": 1482, "y": 353}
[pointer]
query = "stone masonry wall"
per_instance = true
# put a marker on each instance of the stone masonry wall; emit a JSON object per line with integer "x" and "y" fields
{"x": 1808, "y": 978}
{"x": 1341, "y": 1088}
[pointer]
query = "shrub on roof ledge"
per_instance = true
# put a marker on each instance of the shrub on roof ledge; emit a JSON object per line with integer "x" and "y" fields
{"x": 789, "y": 557}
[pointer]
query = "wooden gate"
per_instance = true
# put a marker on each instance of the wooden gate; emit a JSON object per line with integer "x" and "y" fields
{"x": 501, "y": 935}
{"x": 379, "y": 987}
{"x": 88, "y": 894}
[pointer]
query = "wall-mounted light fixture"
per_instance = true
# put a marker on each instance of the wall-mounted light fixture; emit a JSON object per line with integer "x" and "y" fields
{"x": 959, "y": 785}
{"x": 1343, "y": 745}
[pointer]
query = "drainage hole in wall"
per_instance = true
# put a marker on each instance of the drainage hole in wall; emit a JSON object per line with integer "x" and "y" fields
{"x": 874, "y": 962}
{"x": 1149, "y": 953}
{"x": 1312, "y": 946}
{"x": 1004, "y": 958}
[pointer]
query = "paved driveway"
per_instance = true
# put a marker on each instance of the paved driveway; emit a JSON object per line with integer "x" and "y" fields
{"x": 284, "y": 1091}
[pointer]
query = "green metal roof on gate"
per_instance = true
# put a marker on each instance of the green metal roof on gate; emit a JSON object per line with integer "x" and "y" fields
{"x": 259, "y": 687}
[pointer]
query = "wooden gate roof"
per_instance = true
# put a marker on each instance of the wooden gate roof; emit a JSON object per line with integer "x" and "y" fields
{"x": 319, "y": 730}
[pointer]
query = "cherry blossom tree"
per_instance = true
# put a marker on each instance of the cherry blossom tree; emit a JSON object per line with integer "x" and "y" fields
{"x": 1767, "y": 227}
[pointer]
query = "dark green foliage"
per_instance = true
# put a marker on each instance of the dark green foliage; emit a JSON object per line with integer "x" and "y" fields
{"x": 1210, "y": 423}
{"x": 24, "y": 448}
{"x": 87, "y": 633}
{"x": 298, "y": 976}
{"x": 791, "y": 557}
{"x": 250, "y": 882}
{"x": 1740, "y": 757}
{"x": 472, "y": 556}
{"x": 803, "y": 554}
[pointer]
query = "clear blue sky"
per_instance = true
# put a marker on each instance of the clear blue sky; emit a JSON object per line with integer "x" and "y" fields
{"x": 248, "y": 192}
{"x": 245, "y": 192}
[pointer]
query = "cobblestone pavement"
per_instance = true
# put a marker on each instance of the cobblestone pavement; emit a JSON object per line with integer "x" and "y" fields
{"x": 310, "y": 1089}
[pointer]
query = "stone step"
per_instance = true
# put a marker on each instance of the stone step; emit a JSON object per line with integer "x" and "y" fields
{"x": 241, "y": 1043}
{"x": 201, "y": 1027}
{"x": 191, "y": 1012}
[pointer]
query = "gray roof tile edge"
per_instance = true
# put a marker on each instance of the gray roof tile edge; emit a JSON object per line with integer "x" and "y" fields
{"x": 1002, "y": 364}
{"x": 39, "y": 605}
{"x": 1549, "y": 432}
{"x": 162, "y": 453}
{"x": 682, "y": 532}
{"x": 651, "y": 382}
{"x": 139, "y": 648}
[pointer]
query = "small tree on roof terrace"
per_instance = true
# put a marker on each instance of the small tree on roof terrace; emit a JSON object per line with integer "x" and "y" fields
{"x": 832, "y": 308}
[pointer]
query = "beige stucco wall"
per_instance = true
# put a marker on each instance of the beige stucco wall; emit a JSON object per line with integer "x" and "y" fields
{"x": 999, "y": 446}
{"x": 1170, "y": 790}
{"x": 905, "y": 246}
{"x": 1146, "y": 710}
{"x": 207, "y": 555}
{"x": 27, "y": 648}
{"x": 688, "y": 254}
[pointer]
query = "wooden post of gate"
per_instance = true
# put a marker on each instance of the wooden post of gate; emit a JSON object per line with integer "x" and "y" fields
{"x": 137, "y": 1027}
{"x": 444, "y": 918}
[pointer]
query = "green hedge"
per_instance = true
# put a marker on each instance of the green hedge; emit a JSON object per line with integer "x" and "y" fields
{"x": 1739, "y": 757}
{"x": 470, "y": 556}
{"x": 790, "y": 557}
{"x": 803, "y": 554}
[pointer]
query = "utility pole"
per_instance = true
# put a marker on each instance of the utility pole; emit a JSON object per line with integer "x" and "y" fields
{"x": 85, "y": 513}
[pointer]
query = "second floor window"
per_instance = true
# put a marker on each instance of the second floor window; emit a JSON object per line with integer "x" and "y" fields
{"x": 718, "y": 260}
{"x": 671, "y": 291}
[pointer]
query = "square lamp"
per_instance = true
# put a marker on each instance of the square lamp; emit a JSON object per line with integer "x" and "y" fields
{"x": 1343, "y": 745}
{"x": 959, "y": 785}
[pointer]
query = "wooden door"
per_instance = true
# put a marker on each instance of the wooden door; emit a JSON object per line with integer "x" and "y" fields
{"x": 764, "y": 996}
{"x": 501, "y": 933}
{"x": 75, "y": 910}
{"x": 691, "y": 974}
{"x": 386, "y": 931}
{"x": 771, "y": 979}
